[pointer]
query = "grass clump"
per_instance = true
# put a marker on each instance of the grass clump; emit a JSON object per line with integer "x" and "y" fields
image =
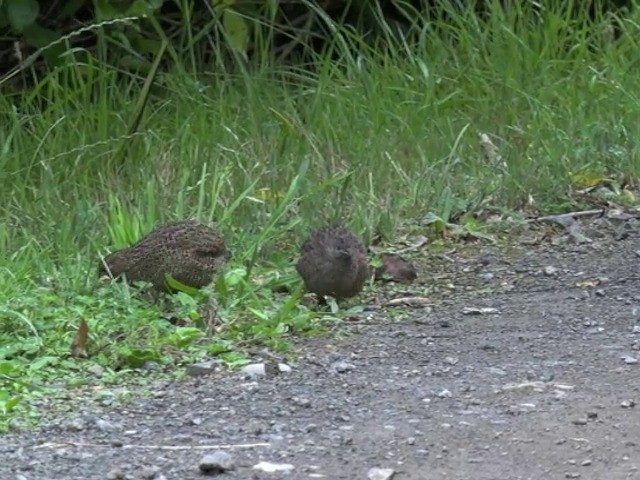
{"x": 375, "y": 135}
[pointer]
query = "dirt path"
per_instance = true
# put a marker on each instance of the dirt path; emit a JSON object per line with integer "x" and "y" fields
{"x": 543, "y": 389}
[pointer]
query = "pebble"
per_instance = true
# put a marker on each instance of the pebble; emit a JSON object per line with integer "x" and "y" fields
{"x": 627, "y": 404}
{"x": 104, "y": 425}
{"x": 96, "y": 370}
{"x": 76, "y": 424}
{"x": 150, "y": 473}
{"x": 629, "y": 360}
{"x": 116, "y": 474}
{"x": 550, "y": 271}
{"x": 150, "y": 366}
{"x": 202, "y": 368}
{"x": 579, "y": 421}
{"x": 301, "y": 402}
{"x": 284, "y": 368}
{"x": 217, "y": 462}
{"x": 254, "y": 370}
{"x": 444, "y": 393}
{"x": 273, "y": 467}
{"x": 380, "y": 474}
{"x": 342, "y": 367}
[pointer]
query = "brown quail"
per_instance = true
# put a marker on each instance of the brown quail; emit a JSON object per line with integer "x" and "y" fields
{"x": 188, "y": 251}
{"x": 333, "y": 261}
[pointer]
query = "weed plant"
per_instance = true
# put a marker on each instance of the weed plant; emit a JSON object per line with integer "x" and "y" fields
{"x": 378, "y": 136}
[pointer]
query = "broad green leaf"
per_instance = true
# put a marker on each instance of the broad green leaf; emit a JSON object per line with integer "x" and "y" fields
{"x": 181, "y": 287}
{"x": 70, "y": 8}
{"x": 22, "y": 12}
{"x": 41, "y": 37}
{"x": 237, "y": 31}
{"x": 105, "y": 11}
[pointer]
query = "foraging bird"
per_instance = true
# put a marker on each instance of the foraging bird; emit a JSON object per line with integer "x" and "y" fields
{"x": 188, "y": 251}
{"x": 333, "y": 261}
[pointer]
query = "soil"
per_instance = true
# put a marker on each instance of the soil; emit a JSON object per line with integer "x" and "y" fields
{"x": 542, "y": 384}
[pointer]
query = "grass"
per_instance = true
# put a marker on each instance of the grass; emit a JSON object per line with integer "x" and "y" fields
{"x": 378, "y": 138}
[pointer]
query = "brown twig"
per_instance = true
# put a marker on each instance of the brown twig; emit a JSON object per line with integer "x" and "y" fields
{"x": 151, "y": 447}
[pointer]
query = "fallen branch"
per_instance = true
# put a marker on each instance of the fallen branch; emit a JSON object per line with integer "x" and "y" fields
{"x": 561, "y": 218}
{"x": 417, "y": 245}
{"x": 150, "y": 447}
{"x": 411, "y": 302}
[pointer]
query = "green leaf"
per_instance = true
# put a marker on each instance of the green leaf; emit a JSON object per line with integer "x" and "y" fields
{"x": 22, "y": 13}
{"x": 41, "y": 37}
{"x": 181, "y": 287}
{"x": 70, "y": 8}
{"x": 185, "y": 336}
{"x": 105, "y": 11}
{"x": 237, "y": 31}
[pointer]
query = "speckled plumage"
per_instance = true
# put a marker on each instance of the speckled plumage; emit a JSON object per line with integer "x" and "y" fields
{"x": 333, "y": 261}
{"x": 189, "y": 251}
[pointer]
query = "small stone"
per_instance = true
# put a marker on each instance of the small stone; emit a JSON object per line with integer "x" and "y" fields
{"x": 586, "y": 462}
{"x": 451, "y": 360}
{"x": 636, "y": 329}
{"x": 116, "y": 474}
{"x": 550, "y": 271}
{"x": 273, "y": 467}
{"x": 104, "y": 425}
{"x": 627, "y": 404}
{"x": 96, "y": 370}
{"x": 497, "y": 371}
{"x": 480, "y": 311}
{"x": 342, "y": 367}
{"x": 380, "y": 474}
{"x": 254, "y": 370}
{"x": 150, "y": 473}
{"x": 150, "y": 366}
{"x": 571, "y": 475}
{"x": 202, "y": 368}
{"x": 284, "y": 368}
{"x": 76, "y": 424}
{"x": 301, "y": 402}
{"x": 579, "y": 421}
{"x": 600, "y": 292}
{"x": 629, "y": 360}
{"x": 216, "y": 462}
{"x": 444, "y": 393}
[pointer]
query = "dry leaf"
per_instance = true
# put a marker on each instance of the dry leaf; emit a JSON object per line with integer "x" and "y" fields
{"x": 80, "y": 340}
{"x": 395, "y": 268}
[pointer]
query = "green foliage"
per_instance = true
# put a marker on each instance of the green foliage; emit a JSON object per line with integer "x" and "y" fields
{"x": 378, "y": 134}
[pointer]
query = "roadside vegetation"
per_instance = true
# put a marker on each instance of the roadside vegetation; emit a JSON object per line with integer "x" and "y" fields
{"x": 383, "y": 134}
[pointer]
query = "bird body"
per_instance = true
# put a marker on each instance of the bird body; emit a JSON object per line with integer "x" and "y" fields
{"x": 189, "y": 251}
{"x": 333, "y": 261}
